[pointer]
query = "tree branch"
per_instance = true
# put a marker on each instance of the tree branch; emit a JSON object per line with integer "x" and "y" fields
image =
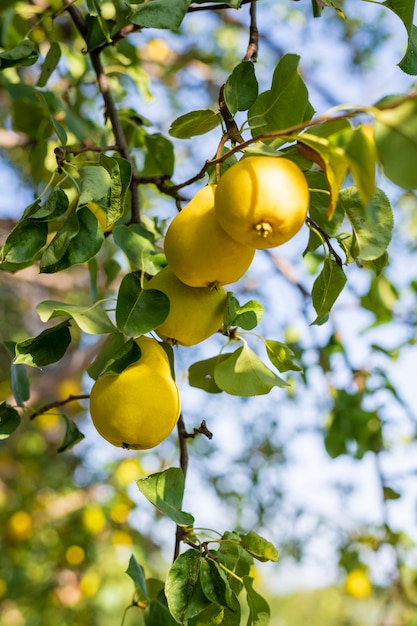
{"x": 57, "y": 403}
{"x": 253, "y": 45}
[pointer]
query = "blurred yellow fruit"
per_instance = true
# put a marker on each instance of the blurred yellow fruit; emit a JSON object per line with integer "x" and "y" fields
{"x": 127, "y": 471}
{"x": 120, "y": 513}
{"x": 90, "y": 583}
{"x": 158, "y": 51}
{"x": 120, "y": 538}
{"x": 262, "y": 201}
{"x": 94, "y": 519}
{"x": 138, "y": 408}
{"x": 19, "y": 526}
{"x": 195, "y": 313}
{"x": 75, "y": 555}
{"x": 357, "y": 584}
{"x": 199, "y": 251}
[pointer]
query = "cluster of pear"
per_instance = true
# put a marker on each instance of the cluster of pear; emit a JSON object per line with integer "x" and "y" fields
{"x": 260, "y": 202}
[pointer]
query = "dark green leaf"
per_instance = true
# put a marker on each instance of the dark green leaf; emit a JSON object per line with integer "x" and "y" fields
{"x": 241, "y": 88}
{"x": 9, "y": 420}
{"x": 48, "y": 347}
{"x": 408, "y": 63}
{"x": 120, "y": 172}
{"x": 54, "y": 207}
{"x": 214, "y": 583}
{"x": 165, "y": 490}
{"x": 242, "y": 373}
{"x": 201, "y": 374}
{"x": 160, "y": 158}
{"x": 156, "y": 614}
{"x": 258, "y": 547}
{"x": 159, "y": 13}
{"x": 138, "y": 310}
{"x": 194, "y": 123}
{"x": 259, "y": 611}
{"x": 124, "y": 356}
{"x": 138, "y": 245}
{"x": 72, "y": 435}
{"x": 77, "y": 241}
{"x": 183, "y": 588}
{"x": 326, "y": 289}
{"x": 372, "y": 224}
{"x": 111, "y": 346}
{"x": 136, "y": 573}
{"x": 49, "y": 65}
{"x": 285, "y": 104}
{"x": 281, "y": 356}
{"x": 396, "y": 141}
{"x": 90, "y": 319}
{"x": 19, "y": 383}
{"x": 231, "y": 308}
{"x": 23, "y": 244}
{"x": 23, "y": 54}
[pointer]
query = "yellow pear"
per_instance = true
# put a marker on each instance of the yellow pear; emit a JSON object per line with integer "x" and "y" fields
{"x": 262, "y": 201}
{"x": 199, "y": 251}
{"x": 195, "y": 313}
{"x": 139, "y": 407}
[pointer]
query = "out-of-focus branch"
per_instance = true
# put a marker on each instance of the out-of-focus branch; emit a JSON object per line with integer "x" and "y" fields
{"x": 253, "y": 45}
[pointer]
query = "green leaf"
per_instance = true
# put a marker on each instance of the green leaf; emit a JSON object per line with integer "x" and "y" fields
{"x": 120, "y": 172}
{"x": 9, "y": 420}
{"x": 333, "y": 161}
{"x": 241, "y": 88}
{"x": 183, "y": 588}
{"x": 156, "y": 614}
{"x": 19, "y": 383}
{"x": 326, "y": 289}
{"x": 112, "y": 345}
{"x": 72, "y": 435}
{"x": 408, "y": 63}
{"x": 160, "y": 158}
{"x": 281, "y": 356}
{"x": 91, "y": 319}
{"x": 49, "y": 65}
{"x": 124, "y": 356}
{"x": 95, "y": 183}
{"x": 24, "y": 54}
{"x": 201, "y": 374}
{"x": 23, "y": 245}
{"x": 165, "y": 490}
{"x": 230, "y": 310}
{"x": 77, "y": 241}
{"x": 167, "y": 14}
{"x": 138, "y": 310}
{"x": 395, "y": 133}
{"x": 249, "y": 315}
{"x": 139, "y": 246}
{"x": 194, "y": 123}
{"x": 136, "y": 573}
{"x": 214, "y": 583}
{"x": 242, "y": 373}
{"x": 372, "y": 224}
{"x": 48, "y": 347}
{"x": 258, "y": 547}
{"x": 259, "y": 611}
{"x": 55, "y": 206}
{"x": 285, "y": 104}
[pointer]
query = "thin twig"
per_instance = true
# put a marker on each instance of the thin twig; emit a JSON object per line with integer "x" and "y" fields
{"x": 57, "y": 403}
{"x": 253, "y": 45}
{"x": 326, "y": 238}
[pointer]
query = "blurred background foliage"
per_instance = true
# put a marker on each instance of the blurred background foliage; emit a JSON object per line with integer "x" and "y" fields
{"x": 338, "y": 497}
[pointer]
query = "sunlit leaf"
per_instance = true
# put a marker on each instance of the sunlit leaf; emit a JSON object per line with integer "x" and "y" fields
{"x": 281, "y": 356}
{"x": 242, "y": 373}
{"x": 91, "y": 319}
{"x": 159, "y": 13}
{"x": 259, "y": 611}
{"x": 258, "y": 547}
{"x": 136, "y": 573}
{"x": 201, "y": 374}
{"x": 194, "y": 123}
{"x": 165, "y": 490}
